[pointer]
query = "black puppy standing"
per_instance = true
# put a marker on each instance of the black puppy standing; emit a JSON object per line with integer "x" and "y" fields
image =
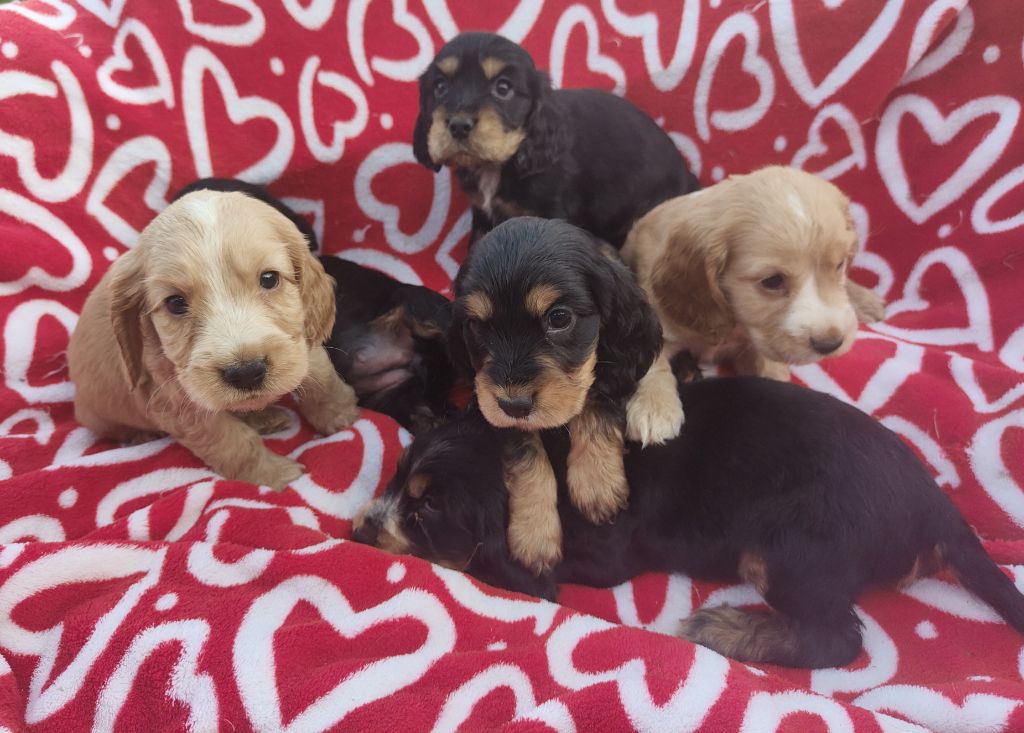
{"x": 805, "y": 497}
{"x": 389, "y": 338}
{"x": 521, "y": 148}
{"x": 554, "y": 331}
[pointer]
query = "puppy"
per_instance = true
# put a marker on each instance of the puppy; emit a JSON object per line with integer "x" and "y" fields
{"x": 555, "y": 332}
{"x": 218, "y": 311}
{"x": 824, "y": 503}
{"x": 753, "y": 268}
{"x": 389, "y": 340}
{"x": 520, "y": 148}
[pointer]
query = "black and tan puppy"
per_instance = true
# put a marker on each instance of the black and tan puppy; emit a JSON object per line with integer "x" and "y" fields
{"x": 389, "y": 338}
{"x": 521, "y": 148}
{"x": 554, "y": 331}
{"x": 805, "y": 497}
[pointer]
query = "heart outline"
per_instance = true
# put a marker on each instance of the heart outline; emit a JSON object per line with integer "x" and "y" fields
{"x": 596, "y": 61}
{"x": 240, "y": 34}
{"x": 841, "y": 115}
{"x": 341, "y": 130}
{"x": 163, "y": 90}
{"x": 664, "y": 77}
{"x": 408, "y": 69}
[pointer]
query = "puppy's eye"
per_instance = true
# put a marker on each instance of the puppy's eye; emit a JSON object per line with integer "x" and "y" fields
{"x": 503, "y": 89}
{"x": 269, "y": 279}
{"x": 430, "y": 505}
{"x": 775, "y": 282}
{"x": 559, "y": 319}
{"x": 176, "y": 305}
{"x": 440, "y": 88}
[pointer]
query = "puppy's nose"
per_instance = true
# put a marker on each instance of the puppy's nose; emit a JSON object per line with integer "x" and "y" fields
{"x": 826, "y": 345}
{"x": 246, "y": 375}
{"x": 366, "y": 533}
{"x": 459, "y": 126}
{"x": 517, "y": 406}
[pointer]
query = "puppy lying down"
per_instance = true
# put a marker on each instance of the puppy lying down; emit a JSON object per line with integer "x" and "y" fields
{"x": 789, "y": 489}
{"x": 752, "y": 269}
{"x": 218, "y": 311}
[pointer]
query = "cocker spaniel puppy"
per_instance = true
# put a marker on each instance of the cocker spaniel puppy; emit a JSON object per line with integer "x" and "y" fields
{"x": 852, "y": 508}
{"x": 218, "y": 311}
{"x": 754, "y": 269}
{"x": 389, "y": 340}
{"x": 520, "y": 148}
{"x": 555, "y": 333}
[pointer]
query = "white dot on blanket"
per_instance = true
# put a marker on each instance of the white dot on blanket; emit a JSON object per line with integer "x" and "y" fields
{"x": 276, "y": 66}
{"x": 990, "y": 54}
{"x": 9, "y": 49}
{"x": 755, "y": 671}
{"x": 85, "y": 51}
{"x": 498, "y": 646}
{"x": 387, "y": 121}
{"x": 396, "y": 572}
{"x": 113, "y": 122}
{"x": 717, "y": 173}
{"x": 110, "y": 253}
{"x": 67, "y": 498}
{"x": 945, "y": 230}
{"x": 780, "y": 143}
{"x": 980, "y": 678}
{"x": 926, "y": 630}
{"x": 166, "y": 602}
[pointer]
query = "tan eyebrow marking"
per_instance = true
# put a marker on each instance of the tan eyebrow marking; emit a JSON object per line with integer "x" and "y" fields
{"x": 540, "y": 298}
{"x": 478, "y": 306}
{"x": 449, "y": 65}
{"x": 492, "y": 66}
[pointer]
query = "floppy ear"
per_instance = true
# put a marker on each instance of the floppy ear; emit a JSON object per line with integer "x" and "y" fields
{"x": 422, "y": 130}
{"x": 316, "y": 287}
{"x": 630, "y": 331}
{"x": 685, "y": 281}
{"x": 546, "y": 137}
{"x": 126, "y": 300}
{"x": 458, "y": 351}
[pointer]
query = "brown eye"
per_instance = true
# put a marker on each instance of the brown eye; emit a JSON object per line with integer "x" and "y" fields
{"x": 176, "y": 305}
{"x": 503, "y": 89}
{"x": 269, "y": 280}
{"x": 440, "y": 88}
{"x": 775, "y": 282}
{"x": 559, "y": 319}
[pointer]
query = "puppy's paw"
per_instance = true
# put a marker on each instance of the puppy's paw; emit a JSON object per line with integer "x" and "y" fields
{"x": 868, "y": 307}
{"x": 597, "y": 487}
{"x": 267, "y": 421}
{"x": 331, "y": 409}
{"x": 535, "y": 539}
{"x": 271, "y": 469}
{"x": 653, "y": 418}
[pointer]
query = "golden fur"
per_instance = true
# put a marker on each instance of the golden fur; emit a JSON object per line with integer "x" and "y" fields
{"x": 534, "y": 528}
{"x": 489, "y": 143}
{"x": 210, "y": 248}
{"x": 595, "y": 474}
{"x": 705, "y": 258}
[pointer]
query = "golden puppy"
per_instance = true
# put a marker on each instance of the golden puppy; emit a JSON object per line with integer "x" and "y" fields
{"x": 218, "y": 311}
{"x": 753, "y": 269}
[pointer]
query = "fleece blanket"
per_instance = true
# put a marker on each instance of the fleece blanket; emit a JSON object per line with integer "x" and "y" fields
{"x": 140, "y": 592}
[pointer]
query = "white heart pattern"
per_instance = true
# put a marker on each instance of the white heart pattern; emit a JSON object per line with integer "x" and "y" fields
{"x": 161, "y": 91}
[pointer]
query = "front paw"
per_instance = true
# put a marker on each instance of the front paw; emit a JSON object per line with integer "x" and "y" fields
{"x": 331, "y": 409}
{"x": 653, "y": 418}
{"x": 598, "y": 488}
{"x": 868, "y": 307}
{"x": 535, "y": 540}
{"x": 271, "y": 469}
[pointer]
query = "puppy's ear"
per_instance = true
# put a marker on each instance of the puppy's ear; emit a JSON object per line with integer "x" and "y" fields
{"x": 316, "y": 287}
{"x": 421, "y": 131}
{"x": 126, "y": 303}
{"x": 685, "y": 282}
{"x": 547, "y": 138}
{"x": 458, "y": 350}
{"x": 630, "y": 331}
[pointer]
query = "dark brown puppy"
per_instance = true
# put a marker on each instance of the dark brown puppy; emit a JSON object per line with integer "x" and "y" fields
{"x": 521, "y": 148}
{"x": 389, "y": 338}
{"x": 805, "y": 497}
{"x": 554, "y": 331}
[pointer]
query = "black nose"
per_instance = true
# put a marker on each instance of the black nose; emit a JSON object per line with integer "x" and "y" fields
{"x": 246, "y": 375}
{"x": 460, "y": 126}
{"x": 517, "y": 406}
{"x": 826, "y": 345}
{"x": 366, "y": 533}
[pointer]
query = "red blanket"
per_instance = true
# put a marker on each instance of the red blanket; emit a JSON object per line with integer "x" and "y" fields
{"x": 140, "y": 592}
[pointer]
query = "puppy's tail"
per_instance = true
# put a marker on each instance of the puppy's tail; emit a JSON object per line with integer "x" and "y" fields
{"x": 979, "y": 574}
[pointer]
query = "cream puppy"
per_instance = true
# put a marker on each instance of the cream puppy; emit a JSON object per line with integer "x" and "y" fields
{"x": 752, "y": 269}
{"x": 218, "y": 311}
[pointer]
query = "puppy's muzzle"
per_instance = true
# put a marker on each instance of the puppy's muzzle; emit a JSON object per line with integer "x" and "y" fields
{"x": 459, "y": 126}
{"x": 826, "y": 345}
{"x": 247, "y": 376}
{"x": 367, "y": 531}
{"x": 516, "y": 407}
